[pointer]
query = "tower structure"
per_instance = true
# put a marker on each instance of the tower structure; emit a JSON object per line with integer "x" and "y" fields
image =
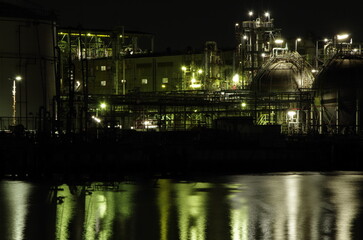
{"x": 255, "y": 42}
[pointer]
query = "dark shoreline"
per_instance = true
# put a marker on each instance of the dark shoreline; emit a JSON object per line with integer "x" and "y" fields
{"x": 174, "y": 154}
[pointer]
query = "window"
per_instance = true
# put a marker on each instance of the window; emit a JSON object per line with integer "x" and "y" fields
{"x": 165, "y": 80}
{"x": 103, "y": 68}
{"x": 144, "y": 81}
{"x": 103, "y": 83}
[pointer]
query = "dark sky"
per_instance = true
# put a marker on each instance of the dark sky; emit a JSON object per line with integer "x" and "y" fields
{"x": 179, "y": 24}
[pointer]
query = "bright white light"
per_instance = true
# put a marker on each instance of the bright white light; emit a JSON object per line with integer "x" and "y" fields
{"x": 96, "y": 119}
{"x": 267, "y": 14}
{"x": 18, "y": 78}
{"x": 291, "y": 113}
{"x": 279, "y": 41}
{"x": 193, "y": 80}
{"x": 263, "y": 54}
{"x": 342, "y": 36}
{"x": 196, "y": 85}
{"x": 235, "y": 78}
{"x": 298, "y": 39}
{"x": 183, "y": 68}
{"x": 200, "y": 71}
{"x": 243, "y": 104}
{"x": 250, "y": 13}
{"x": 244, "y": 37}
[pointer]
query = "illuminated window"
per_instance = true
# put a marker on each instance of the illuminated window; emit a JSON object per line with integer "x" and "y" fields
{"x": 103, "y": 83}
{"x": 103, "y": 68}
{"x": 165, "y": 80}
{"x": 144, "y": 81}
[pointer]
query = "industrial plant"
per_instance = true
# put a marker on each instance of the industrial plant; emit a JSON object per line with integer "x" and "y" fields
{"x": 84, "y": 80}
{"x": 94, "y": 82}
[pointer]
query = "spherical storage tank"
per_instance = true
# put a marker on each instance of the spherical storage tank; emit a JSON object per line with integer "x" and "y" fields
{"x": 287, "y": 73}
{"x": 277, "y": 77}
{"x": 27, "y": 40}
{"x": 339, "y": 94}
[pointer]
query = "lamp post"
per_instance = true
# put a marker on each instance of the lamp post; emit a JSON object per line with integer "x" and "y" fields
{"x": 296, "y": 41}
{"x": 17, "y": 78}
{"x": 339, "y": 39}
{"x": 317, "y": 52}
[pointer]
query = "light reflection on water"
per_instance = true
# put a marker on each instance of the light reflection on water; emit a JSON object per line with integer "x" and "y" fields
{"x": 272, "y": 206}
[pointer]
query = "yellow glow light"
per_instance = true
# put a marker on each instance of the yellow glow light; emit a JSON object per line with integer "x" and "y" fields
{"x": 103, "y": 105}
{"x": 18, "y": 78}
{"x": 235, "y": 78}
{"x": 279, "y": 41}
{"x": 196, "y": 85}
{"x": 200, "y": 71}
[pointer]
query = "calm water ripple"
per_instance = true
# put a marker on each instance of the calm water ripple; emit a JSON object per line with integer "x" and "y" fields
{"x": 269, "y": 206}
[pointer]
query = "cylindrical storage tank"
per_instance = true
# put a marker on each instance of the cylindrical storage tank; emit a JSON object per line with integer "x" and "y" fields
{"x": 339, "y": 95}
{"x": 27, "y": 49}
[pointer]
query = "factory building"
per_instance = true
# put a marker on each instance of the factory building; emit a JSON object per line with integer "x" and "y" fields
{"x": 113, "y": 79}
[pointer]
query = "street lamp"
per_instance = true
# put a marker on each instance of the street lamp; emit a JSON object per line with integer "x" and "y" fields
{"x": 325, "y": 40}
{"x": 296, "y": 41}
{"x": 342, "y": 36}
{"x": 15, "y": 79}
{"x": 250, "y": 14}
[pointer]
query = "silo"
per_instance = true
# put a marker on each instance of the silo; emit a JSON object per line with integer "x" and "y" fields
{"x": 27, "y": 40}
{"x": 339, "y": 95}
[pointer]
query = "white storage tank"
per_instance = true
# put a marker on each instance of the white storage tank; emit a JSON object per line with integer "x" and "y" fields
{"x": 27, "y": 49}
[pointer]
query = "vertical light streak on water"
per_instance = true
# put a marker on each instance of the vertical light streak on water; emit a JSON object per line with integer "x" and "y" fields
{"x": 164, "y": 206}
{"x": 346, "y": 200}
{"x": 124, "y": 210}
{"x": 192, "y": 211}
{"x": 96, "y": 225}
{"x": 311, "y": 198}
{"x": 108, "y": 216}
{"x": 292, "y": 188}
{"x": 183, "y": 190}
{"x": 17, "y": 195}
{"x": 238, "y": 217}
{"x": 65, "y": 211}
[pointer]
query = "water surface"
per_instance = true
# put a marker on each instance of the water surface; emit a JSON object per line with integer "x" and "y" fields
{"x": 269, "y": 206}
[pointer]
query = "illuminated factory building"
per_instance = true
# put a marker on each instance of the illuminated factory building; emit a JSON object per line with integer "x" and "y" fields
{"x": 113, "y": 79}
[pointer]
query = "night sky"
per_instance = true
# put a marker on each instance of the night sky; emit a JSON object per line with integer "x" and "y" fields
{"x": 181, "y": 24}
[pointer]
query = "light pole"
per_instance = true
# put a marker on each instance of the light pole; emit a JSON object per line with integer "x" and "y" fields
{"x": 296, "y": 41}
{"x": 317, "y": 52}
{"x": 17, "y": 78}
